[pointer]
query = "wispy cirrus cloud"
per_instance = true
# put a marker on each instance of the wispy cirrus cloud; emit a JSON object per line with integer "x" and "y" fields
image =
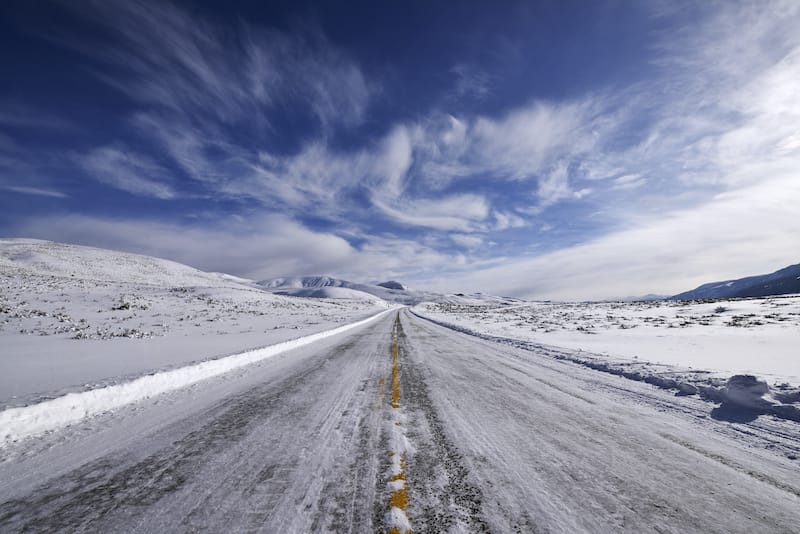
{"x": 471, "y": 81}
{"x": 209, "y": 97}
{"x": 655, "y": 157}
{"x": 37, "y": 191}
{"x": 196, "y": 68}
{"x": 24, "y": 170}
{"x": 702, "y": 162}
{"x": 462, "y": 213}
{"x": 128, "y": 171}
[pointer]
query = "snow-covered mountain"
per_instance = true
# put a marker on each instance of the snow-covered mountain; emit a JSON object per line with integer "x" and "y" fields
{"x": 782, "y": 282}
{"x": 303, "y": 285}
{"x": 391, "y": 284}
{"x": 391, "y": 291}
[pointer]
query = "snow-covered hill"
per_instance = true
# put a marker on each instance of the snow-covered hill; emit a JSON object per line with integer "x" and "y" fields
{"x": 47, "y": 258}
{"x": 391, "y": 291}
{"x": 75, "y": 318}
{"x": 331, "y": 292}
{"x": 782, "y": 282}
{"x": 290, "y": 285}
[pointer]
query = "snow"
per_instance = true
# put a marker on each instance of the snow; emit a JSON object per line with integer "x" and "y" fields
{"x": 18, "y": 423}
{"x": 551, "y": 446}
{"x": 332, "y": 293}
{"x": 75, "y": 318}
{"x": 187, "y": 419}
{"x": 741, "y": 336}
{"x": 505, "y": 439}
{"x": 47, "y": 258}
{"x": 304, "y": 285}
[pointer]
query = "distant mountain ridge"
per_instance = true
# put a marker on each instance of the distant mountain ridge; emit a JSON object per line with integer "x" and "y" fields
{"x": 782, "y": 282}
{"x": 639, "y": 298}
{"x": 391, "y": 284}
{"x": 390, "y": 291}
{"x": 298, "y": 282}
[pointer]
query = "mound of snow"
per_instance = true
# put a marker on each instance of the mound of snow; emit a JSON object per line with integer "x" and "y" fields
{"x": 746, "y": 391}
{"x": 47, "y": 258}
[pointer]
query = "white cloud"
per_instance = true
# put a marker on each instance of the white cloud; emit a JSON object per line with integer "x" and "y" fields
{"x": 127, "y": 171}
{"x": 750, "y": 231}
{"x": 394, "y": 158}
{"x": 554, "y": 186}
{"x": 38, "y": 191}
{"x": 628, "y": 181}
{"x": 466, "y": 240}
{"x": 456, "y": 212}
{"x": 506, "y": 220}
{"x": 529, "y": 140}
{"x": 670, "y": 160}
{"x": 193, "y": 67}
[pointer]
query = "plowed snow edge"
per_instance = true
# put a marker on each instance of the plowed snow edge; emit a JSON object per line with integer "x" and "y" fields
{"x": 26, "y": 421}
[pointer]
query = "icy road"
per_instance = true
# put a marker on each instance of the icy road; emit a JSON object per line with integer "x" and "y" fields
{"x": 403, "y": 424}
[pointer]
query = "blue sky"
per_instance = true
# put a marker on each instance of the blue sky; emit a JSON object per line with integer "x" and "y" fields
{"x": 536, "y": 149}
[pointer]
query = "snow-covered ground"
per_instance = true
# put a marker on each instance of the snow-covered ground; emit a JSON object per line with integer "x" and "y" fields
{"x": 759, "y": 336}
{"x": 75, "y": 318}
{"x": 368, "y": 417}
{"x": 492, "y": 438}
{"x": 740, "y": 353}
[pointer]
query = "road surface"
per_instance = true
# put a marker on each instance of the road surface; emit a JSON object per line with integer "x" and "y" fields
{"x": 403, "y": 423}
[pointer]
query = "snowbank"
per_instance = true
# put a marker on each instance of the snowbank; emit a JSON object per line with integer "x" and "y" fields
{"x": 756, "y": 336}
{"x": 740, "y": 392}
{"x": 18, "y": 423}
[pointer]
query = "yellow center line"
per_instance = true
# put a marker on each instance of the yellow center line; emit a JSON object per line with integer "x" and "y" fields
{"x": 395, "y": 372}
{"x": 399, "y": 495}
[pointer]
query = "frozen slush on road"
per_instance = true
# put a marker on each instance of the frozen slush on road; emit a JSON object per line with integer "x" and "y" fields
{"x": 352, "y": 413}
